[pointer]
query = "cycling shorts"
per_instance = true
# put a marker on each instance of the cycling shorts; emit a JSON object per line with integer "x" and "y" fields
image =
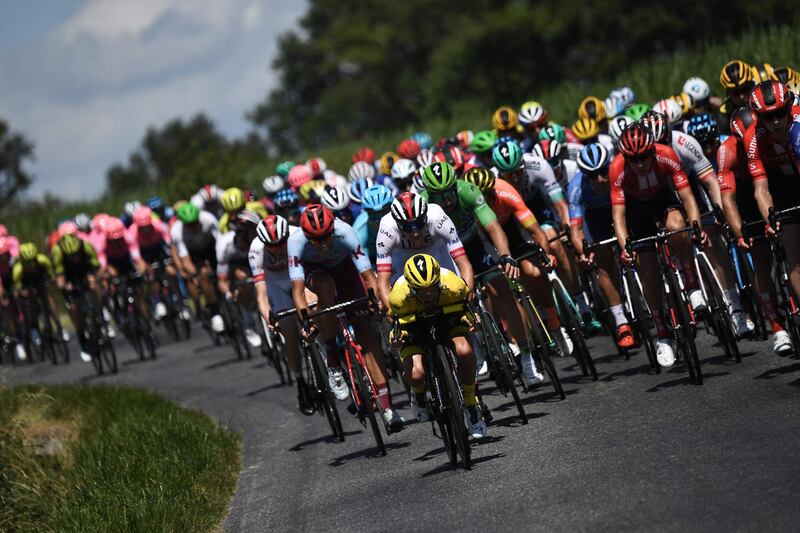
{"x": 123, "y": 265}
{"x": 154, "y": 254}
{"x": 348, "y": 282}
{"x": 480, "y": 252}
{"x": 641, "y": 216}
{"x": 420, "y": 331}
{"x": 598, "y": 224}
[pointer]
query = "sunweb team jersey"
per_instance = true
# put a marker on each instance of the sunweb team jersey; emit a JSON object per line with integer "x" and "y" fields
{"x": 626, "y": 183}
{"x": 344, "y": 245}
{"x": 471, "y": 205}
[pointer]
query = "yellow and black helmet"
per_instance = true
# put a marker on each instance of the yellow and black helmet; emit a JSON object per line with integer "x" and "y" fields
{"x": 233, "y": 199}
{"x": 28, "y": 251}
{"x": 592, "y": 107}
{"x": 505, "y": 119}
{"x": 480, "y": 177}
{"x": 422, "y": 271}
{"x": 585, "y": 128}
{"x": 69, "y": 244}
{"x": 736, "y": 74}
{"x": 763, "y": 72}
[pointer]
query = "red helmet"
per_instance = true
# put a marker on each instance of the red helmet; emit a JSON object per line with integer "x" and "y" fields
{"x": 317, "y": 166}
{"x": 115, "y": 229}
{"x": 636, "y": 140}
{"x": 298, "y": 175}
{"x": 408, "y": 149}
{"x": 464, "y": 138}
{"x": 741, "y": 120}
{"x": 770, "y": 96}
{"x": 364, "y": 154}
{"x": 453, "y": 155}
{"x": 316, "y": 221}
{"x": 143, "y": 216}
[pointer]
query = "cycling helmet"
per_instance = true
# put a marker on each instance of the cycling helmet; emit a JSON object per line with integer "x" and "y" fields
{"x": 421, "y": 271}
{"x": 763, "y": 72}
{"x": 244, "y": 221}
{"x": 697, "y": 88}
{"x": 550, "y": 151}
{"x": 386, "y": 162}
{"x": 613, "y": 106}
{"x": 286, "y": 198}
{"x": 636, "y": 140}
{"x": 233, "y": 199}
{"x": 408, "y": 149}
{"x": 594, "y": 158}
{"x": 99, "y": 221}
{"x": 67, "y": 226}
{"x": 273, "y": 184}
{"x": 28, "y": 251}
{"x": 283, "y": 168}
{"x": 273, "y": 230}
{"x": 741, "y": 120}
{"x": 357, "y": 188}
{"x": 553, "y": 132}
{"x": 482, "y": 178}
{"x": 317, "y": 166}
{"x": 361, "y": 170}
{"x": 5, "y": 246}
{"x": 209, "y": 193}
{"x": 585, "y": 129}
{"x": 143, "y": 216}
{"x": 786, "y": 74}
{"x": 507, "y": 156}
{"x": 403, "y": 169}
{"x": 410, "y": 211}
{"x": 115, "y": 229}
{"x": 424, "y": 140}
{"x": 317, "y": 221}
{"x": 504, "y": 119}
{"x": 704, "y": 128}
{"x": 188, "y": 213}
{"x": 670, "y": 109}
{"x": 376, "y": 198}
{"x": 452, "y": 155}
{"x": 532, "y": 114}
{"x": 625, "y": 94}
{"x": 659, "y": 126}
{"x": 156, "y": 203}
{"x": 69, "y": 244}
{"x": 736, "y": 74}
{"x": 425, "y": 157}
{"x": 636, "y": 111}
{"x": 131, "y": 206}
{"x": 686, "y": 102}
{"x": 440, "y": 176}
{"x": 464, "y": 138}
{"x": 335, "y": 198}
{"x": 616, "y": 125}
{"x": 769, "y": 97}
{"x": 83, "y": 222}
{"x": 484, "y": 141}
{"x": 419, "y": 182}
{"x": 592, "y": 107}
{"x": 365, "y": 154}
{"x": 298, "y": 176}
{"x": 310, "y": 192}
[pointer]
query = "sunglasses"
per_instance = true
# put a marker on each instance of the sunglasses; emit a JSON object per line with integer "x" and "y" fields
{"x": 446, "y": 196}
{"x": 326, "y": 238}
{"x": 638, "y": 158}
{"x": 413, "y": 226}
{"x": 428, "y": 293}
{"x": 776, "y": 115}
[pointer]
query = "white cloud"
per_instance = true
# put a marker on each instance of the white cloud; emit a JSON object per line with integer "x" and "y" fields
{"x": 87, "y": 91}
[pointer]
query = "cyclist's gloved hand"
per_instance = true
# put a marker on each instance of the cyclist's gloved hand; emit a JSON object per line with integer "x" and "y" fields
{"x": 510, "y": 266}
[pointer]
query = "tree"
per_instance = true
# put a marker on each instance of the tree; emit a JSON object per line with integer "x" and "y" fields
{"x": 15, "y": 150}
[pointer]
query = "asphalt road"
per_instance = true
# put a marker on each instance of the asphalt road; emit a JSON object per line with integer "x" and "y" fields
{"x": 633, "y": 451}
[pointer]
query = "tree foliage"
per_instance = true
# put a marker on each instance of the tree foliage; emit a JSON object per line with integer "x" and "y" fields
{"x": 15, "y": 150}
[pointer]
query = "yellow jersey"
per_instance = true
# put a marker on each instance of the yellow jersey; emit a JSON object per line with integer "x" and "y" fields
{"x": 32, "y": 274}
{"x": 403, "y": 303}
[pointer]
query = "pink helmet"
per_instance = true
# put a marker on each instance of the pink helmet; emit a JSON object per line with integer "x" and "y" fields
{"x": 5, "y": 246}
{"x": 99, "y": 221}
{"x": 114, "y": 228}
{"x": 3, "y": 230}
{"x": 298, "y": 175}
{"x": 67, "y": 226}
{"x": 143, "y": 216}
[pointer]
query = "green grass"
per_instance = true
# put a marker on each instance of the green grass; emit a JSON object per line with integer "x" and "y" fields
{"x": 651, "y": 80}
{"x": 100, "y": 458}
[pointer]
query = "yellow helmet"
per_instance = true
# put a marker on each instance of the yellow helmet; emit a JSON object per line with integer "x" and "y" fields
{"x": 233, "y": 199}
{"x": 28, "y": 251}
{"x": 787, "y": 74}
{"x": 505, "y": 119}
{"x": 387, "y": 161}
{"x": 686, "y": 102}
{"x": 763, "y": 72}
{"x": 422, "y": 271}
{"x": 69, "y": 244}
{"x": 585, "y": 129}
{"x": 592, "y": 107}
{"x": 735, "y": 74}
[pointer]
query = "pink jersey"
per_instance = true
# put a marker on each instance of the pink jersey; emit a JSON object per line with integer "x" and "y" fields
{"x": 139, "y": 239}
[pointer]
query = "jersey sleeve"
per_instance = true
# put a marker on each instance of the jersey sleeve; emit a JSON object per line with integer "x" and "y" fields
{"x": 700, "y": 165}
{"x": 670, "y": 163}
{"x": 507, "y": 194}
{"x": 357, "y": 252}
{"x": 726, "y": 163}
{"x": 162, "y": 230}
{"x": 385, "y": 243}
{"x": 477, "y": 204}
{"x": 222, "y": 256}
{"x": 446, "y": 230}
{"x": 176, "y": 233}
{"x": 294, "y": 251}
{"x": 616, "y": 178}
{"x": 45, "y": 264}
{"x": 574, "y": 190}
{"x": 16, "y": 275}
{"x": 58, "y": 260}
{"x": 754, "y": 164}
{"x": 255, "y": 257}
{"x": 132, "y": 238}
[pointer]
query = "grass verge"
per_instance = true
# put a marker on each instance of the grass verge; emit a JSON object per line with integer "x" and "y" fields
{"x": 100, "y": 458}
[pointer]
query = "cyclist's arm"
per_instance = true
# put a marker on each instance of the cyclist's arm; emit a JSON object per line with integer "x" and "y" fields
{"x": 690, "y": 205}
{"x": 763, "y": 197}
{"x": 620, "y": 224}
{"x": 710, "y": 180}
{"x": 465, "y": 269}
{"x": 299, "y": 296}
{"x": 498, "y": 237}
{"x": 731, "y": 211}
{"x": 562, "y": 209}
{"x": 262, "y": 299}
{"x": 16, "y": 276}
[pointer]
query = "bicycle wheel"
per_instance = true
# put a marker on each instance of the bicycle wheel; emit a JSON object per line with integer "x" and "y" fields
{"x": 573, "y": 323}
{"x": 501, "y": 360}
{"x": 542, "y": 347}
{"x": 108, "y": 354}
{"x": 721, "y": 318}
{"x": 230, "y": 329}
{"x": 368, "y": 400}
{"x": 326, "y": 396}
{"x": 682, "y": 328}
{"x": 274, "y": 348}
{"x": 641, "y": 320}
{"x": 453, "y": 404}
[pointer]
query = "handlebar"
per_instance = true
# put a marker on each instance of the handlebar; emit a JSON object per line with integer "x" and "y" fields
{"x": 661, "y": 236}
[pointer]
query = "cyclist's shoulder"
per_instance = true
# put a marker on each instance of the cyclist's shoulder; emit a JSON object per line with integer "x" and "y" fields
{"x": 452, "y": 282}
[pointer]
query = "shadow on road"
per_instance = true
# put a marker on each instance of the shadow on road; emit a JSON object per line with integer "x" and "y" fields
{"x": 327, "y": 439}
{"x": 222, "y": 363}
{"x": 684, "y": 380}
{"x": 513, "y": 420}
{"x": 263, "y": 389}
{"x": 369, "y": 453}
{"x": 447, "y": 467}
{"x": 779, "y": 371}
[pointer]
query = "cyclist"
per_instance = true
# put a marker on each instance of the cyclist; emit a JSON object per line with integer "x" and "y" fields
{"x": 593, "y": 108}
{"x": 287, "y": 205}
{"x": 590, "y": 219}
{"x": 481, "y": 146}
{"x": 425, "y": 286}
{"x": 640, "y": 177}
{"x": 736, "y": 78}
{"x": 11, "y": 241}
{"x": 407, "y": 149}
{"x": 269, "y": 265}
{"x": 699, "y": 90}
{"x": 149, "y": 241}
{"x": 337, "y": 199}
{"x": 234, "y": 201}
{"x": 271, "y": 186}
{"x": 506, "y": 124}
{"x": 327, "y": 258}
{"x": 365, "y": 154}
{"x": 533, "y": 117}
{"x": 7, "y": 303}
{"x": 403, "y": 172}
{"x": 587, "y": 131}
{"x": 30, "y": 274}
{"x": 208, "y": 198}
{"x": 282, "y": 169}
{"x": 375, "y": 204}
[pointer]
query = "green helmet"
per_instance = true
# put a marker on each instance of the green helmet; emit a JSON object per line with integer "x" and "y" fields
{"x": 507, "y": 156}
{"x": 438, "y": 177}
{"x": 553, "y": 132}
{"x": 283, "y": 168}
{"x": 483, "y": 141}
{"x": 188, "y": 213}
{"x": 636, "y": 111}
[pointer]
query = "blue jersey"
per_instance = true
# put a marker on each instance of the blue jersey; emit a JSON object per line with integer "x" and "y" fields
{"x": 367, "y": 231}
{"x": 583, "y": 196}
{"x": 344, "y": 245}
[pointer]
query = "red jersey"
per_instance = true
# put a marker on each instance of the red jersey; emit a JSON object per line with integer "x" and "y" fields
{"x": 507, "y": 201}
{"x": 626, "y": 182}
{"x": 765, "y": 153}
{"x": 731, "y": 164}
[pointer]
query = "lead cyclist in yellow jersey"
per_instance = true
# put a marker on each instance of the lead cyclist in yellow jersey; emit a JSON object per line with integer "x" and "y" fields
{"x": 425, "y": 286}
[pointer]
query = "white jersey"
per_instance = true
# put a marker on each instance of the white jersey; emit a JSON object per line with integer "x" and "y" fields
{"x": 188, "y": 242}
{"x": 227, "y": 251}
{"x": 568, "y": 169}
{"x": 693, "y": 160}
{"x": 279, "y": 286}
{"x": 539, "y": 180}
{"x": 440, "y": 240}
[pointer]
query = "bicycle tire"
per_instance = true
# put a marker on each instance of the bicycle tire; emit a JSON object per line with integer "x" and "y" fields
{"x": 541, "y": 349}
{"x": 721, "y": 317}
{"x": 275, "y": 357}
{"x": 685, "y": 339}
{"x": 367, "y": 397}
{"x": 453, "y": 406}
{"x": 641, "y": 320}
{"x": 326, "y": 397}
{"x": 503, "y": 376}
{"x": 109, "y": 355}
{"x": 575, "y": 328}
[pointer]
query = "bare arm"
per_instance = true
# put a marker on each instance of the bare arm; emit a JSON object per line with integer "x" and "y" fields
{"x": 732, "y": 214}
{"x": 465, "y": 268}
{"x": 620, "y": 225}
{"x": 498, "y": 237}
{"x": 263, "y": 300}
{"x": 763, "y": 198}
{"x": 563, "y": 210}
{"x": 690, "y": 205}
{"x": 299, "y": 296}
{"x": 709, "y": 179}
{"x": 384, "y": 288}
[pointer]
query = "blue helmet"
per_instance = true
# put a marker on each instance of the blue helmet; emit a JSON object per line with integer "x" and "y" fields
{"x": 704, "y": 128}
{"x": 594, "y": 158}
{"x": 376, "y": 198}
{"x": 156, "y": 203}
{"x": 424, "y": 140}
{"x": 286, "y": 198}
{"x": 358, "y": 187}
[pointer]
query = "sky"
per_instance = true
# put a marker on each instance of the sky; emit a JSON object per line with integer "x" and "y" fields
{"x": 85, "y": 78}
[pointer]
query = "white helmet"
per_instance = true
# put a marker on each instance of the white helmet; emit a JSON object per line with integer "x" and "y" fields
{"x": 317, "y": 166}
{"x": 613, "y": 105}
{"x": 625, "y": 95}
{"x": 669, "y": 108}
{"x": 335, "y": 198}
{"x": 273, "y": 184}
{"x": 359, "y": 170}
{"x": 419, "y": 183}
{"x": 531, "y": 114}
{"x": 697, "y": 88}
{"x": 425, "y": 158}
{"x": 616, "y": 125}
{"x": 130, "y": 207}
{"x": 403, "y": 169}
{"x": 272, "y": 230}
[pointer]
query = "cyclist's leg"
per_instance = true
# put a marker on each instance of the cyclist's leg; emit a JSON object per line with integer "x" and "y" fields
{"x": 323, "y": 285}
{"x": 791, "y": 242}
